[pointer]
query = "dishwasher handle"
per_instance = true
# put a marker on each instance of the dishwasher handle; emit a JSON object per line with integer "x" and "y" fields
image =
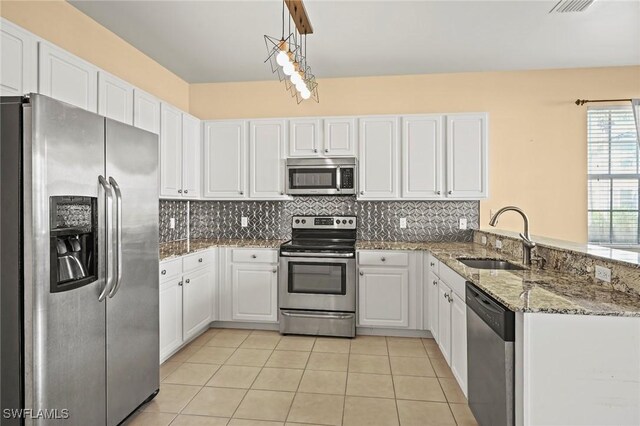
{"x": 497, "y": 316}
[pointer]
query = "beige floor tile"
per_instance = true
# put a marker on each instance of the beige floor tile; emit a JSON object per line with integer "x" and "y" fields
{"x": 278, "y": 379}
{"x": 371, "y": 340}
{"x": 333, "y": 345}
{"x": 257, "y": 341}
{"x": 360, "y": 411}
{"x": 316, "y": 408}
{"x": 296, "y": 343}
{"x": 211, "y": 355}
{"x": 172, "y": 398}
{"x": 441, "y": 368}
{"x": 288, "y": 359}
{"x": 167, "y": 368}
{"x": 249, "y": 357}
{"x": 202, "y": 339}
{"x": 452, "y": 391}
{"x": 463, "y": 415}
{"x": 409, "y": 366}
{"x": 237, "y": 331}
{"x": 265, "y": 405}
{"x": 265, "y": 333}
{"x": 187, "y": 420}
{"x": 328, "y": 362}
{"x": 192, "y": 374}
{"x": 233, "y": 376}
{"x": 365, "y": 348}
{"x": 421, "y": 413}
{"x": 219, "y": 402}
{"x": 183, "y": 354}
{"x": 146, "y": 418}
{"x": 330, "y": 382}
{"x": 432, "y": 348}
{"x": 301, "y": 424}
{"x": 227, "y": 340}
{"x": 403, "y": 341}
{"x": 246, "y": 422}
{"x": 418, "y": 388}
{"x": 369, "y": 364}
{"x": 407, "y": 350}
{"x": 373, "y": 385}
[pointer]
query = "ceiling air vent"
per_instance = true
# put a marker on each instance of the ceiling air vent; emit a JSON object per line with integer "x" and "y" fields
{"x": 571, "y": 6}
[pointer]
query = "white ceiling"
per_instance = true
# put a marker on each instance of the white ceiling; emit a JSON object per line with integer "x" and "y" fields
{"x": 216, "y": 41}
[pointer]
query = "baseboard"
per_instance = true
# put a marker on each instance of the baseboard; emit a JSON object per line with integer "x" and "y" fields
{"x": 245, "y": 325}
{"x": 391, "y": 332}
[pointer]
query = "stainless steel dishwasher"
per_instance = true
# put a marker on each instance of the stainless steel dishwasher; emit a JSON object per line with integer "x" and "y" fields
{"x": 490, "y": 359}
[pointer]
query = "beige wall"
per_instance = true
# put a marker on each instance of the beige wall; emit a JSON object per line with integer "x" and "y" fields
{"x": 537, "y": 134}
{"x": 64, "y": 25}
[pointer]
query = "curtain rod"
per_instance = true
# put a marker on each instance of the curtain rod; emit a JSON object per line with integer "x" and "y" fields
{"x": 581, "y": 102}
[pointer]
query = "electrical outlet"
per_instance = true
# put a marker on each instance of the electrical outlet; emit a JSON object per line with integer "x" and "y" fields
{"x": 484, "y": 240}
{"x": 172, "y": 223}
{"x": 244, "y": 221}
{"x": 498, "y": 244}
{"x": 463, "y": 223}
{"x": 603, "y": 274}
{"x": 403, "y": 223}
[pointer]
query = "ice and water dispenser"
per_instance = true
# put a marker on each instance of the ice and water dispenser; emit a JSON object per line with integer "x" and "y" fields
{"x": 74, "y": 242}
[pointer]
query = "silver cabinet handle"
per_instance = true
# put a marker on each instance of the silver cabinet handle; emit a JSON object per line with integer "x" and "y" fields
{"x": 315, "y": 149}
{"x": 116, "y": 190}
{"x": 361, "y": 192}
{"x": 200, "y": 260}
{"x": 186, "y": 191}
{"x": 326, "y": 150}
{"x": 274, "y": 271}
{"x": 187, "y": 281}
{"x": 253, "y": 256}
{"x": 435, "y": 282}
{"x": 180, "y": 283}
{"x": 163, "y": 272}
{"x": 108, "y": 191}
{"x": 438, "y": 192}
{"x": 383, "y": 258}
{"x": 361, "y": 273}
{"x": 281, "y": 192}
{"x": 450, "y": 192}
{"x": 432, "y": 264}
{"x": 179, "y": 191}
{"x": 241, "y": 192}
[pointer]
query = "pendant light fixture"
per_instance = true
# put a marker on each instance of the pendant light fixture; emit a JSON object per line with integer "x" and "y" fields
{"x": 288, "y": 55}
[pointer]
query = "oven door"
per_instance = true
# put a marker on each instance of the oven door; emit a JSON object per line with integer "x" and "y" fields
{"x": 302, "y": 180}
{"x": 317, "y": 283}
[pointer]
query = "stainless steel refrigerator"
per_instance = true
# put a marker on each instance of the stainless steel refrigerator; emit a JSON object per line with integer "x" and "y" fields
{"x": 79, "y": 262}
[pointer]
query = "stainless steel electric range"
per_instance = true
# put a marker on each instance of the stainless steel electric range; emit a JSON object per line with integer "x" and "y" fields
{"x": 317, "y": 282}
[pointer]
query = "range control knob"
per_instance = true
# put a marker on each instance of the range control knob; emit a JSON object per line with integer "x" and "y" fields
{"x": 350, "y": 221}
{"x": 304, "y": 221}
{"x": 297, "y": 220}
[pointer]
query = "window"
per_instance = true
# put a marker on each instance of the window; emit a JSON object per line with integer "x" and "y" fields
{"x": 614, "y": 176}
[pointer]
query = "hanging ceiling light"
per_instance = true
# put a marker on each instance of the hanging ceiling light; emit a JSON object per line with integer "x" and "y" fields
{"x": 287, "y": 55}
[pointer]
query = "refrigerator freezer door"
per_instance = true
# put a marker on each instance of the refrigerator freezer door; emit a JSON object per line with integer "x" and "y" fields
{"x": 65, "y": 331}
{"x": 132, "y": 308}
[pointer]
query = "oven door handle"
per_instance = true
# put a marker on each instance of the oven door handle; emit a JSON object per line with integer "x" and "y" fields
{"x": 306, "y": 315}
{"x": 302, "y": 254}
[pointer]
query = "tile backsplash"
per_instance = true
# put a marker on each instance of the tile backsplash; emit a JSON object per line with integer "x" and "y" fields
{"x": 377, "y": 220}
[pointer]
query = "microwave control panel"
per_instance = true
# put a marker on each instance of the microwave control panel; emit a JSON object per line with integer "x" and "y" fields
{"x": 346, "y": 178}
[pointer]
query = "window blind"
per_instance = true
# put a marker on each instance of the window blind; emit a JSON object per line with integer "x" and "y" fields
{"x": 614, "y": 176}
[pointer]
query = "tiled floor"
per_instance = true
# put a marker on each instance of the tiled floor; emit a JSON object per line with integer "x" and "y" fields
{"x": 243, "y": 377}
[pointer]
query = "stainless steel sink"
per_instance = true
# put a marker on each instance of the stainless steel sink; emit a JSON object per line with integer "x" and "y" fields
{"x": 489, "y": 264}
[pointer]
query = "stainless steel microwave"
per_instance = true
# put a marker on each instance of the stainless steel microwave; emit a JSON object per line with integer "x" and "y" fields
{"x": 321, "y": 176}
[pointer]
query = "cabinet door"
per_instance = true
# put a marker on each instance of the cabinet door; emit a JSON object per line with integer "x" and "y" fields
{"x": 434, "y": 301}
{"x": 146, "y": 111}
{"x": 459, "y": 341}
{"x": 225, "y": 159}
{"x": 339, "y": 137}
{"x": 383, "y": 297}
{"x": 170, "y": 151}
{"x": 115, "y": 98}
{"x": 18, "y": 60}
{"x": 267, "y": 154}
{"x": 170, "y": 317}
{"x": 191, "y": 156}
{"x": 379, "y": 168}
{"x": 196, "y": 301}
{"x": 254, "y": 292}
{"x": 444, "y": 321}
{"x": 67, "y": 78}
{"x": 304, "y": 138}
{"x": 422, "y": 161}
{"x": 467, "y": 161}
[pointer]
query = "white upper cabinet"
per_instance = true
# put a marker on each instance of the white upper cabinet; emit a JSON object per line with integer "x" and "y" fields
{"x": 225, "y": 159}
{"x": 146, "y": 111}
{"x": 191, "y": 156}
{"x": 267, "y": 143}
{"x": 18, "y": 60}
{"x": 379, "y": 152}
{"x": 115, "y": 98}
{"x": 340, "y": 137}
{"x": 170, "y": 151}
{"x": 467, "y": 162}
{"x": 304, "y": 138}
{"x": 422, "y": 157}
{"x": 67, "y": 78}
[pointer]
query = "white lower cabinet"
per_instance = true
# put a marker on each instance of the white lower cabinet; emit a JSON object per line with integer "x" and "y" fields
{"x": 383, "y": 296}
{"x": 197, "y": 295}
{"x": 444, "y": 321}
{"x": 431, "y": 291}
{"x": 170, "y": 316}
{"x": 459, "y": 341}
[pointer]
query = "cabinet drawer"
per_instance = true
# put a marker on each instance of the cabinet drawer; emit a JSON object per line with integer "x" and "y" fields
{"x": 198, "y": 260}
{"x": 383, "y": 258}
{"x": 170, "y": 269}
{"x": 453, "y": 280}
{"x": 254, "y": 255}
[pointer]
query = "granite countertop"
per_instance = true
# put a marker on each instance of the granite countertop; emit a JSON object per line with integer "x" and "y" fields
{"x": 530, "y": 290}
{"x": 179, "y": 248}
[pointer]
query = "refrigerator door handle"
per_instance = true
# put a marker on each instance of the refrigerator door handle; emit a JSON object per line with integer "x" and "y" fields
{"x": 109, "y": 236}
{"x": 118, "y": 194}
